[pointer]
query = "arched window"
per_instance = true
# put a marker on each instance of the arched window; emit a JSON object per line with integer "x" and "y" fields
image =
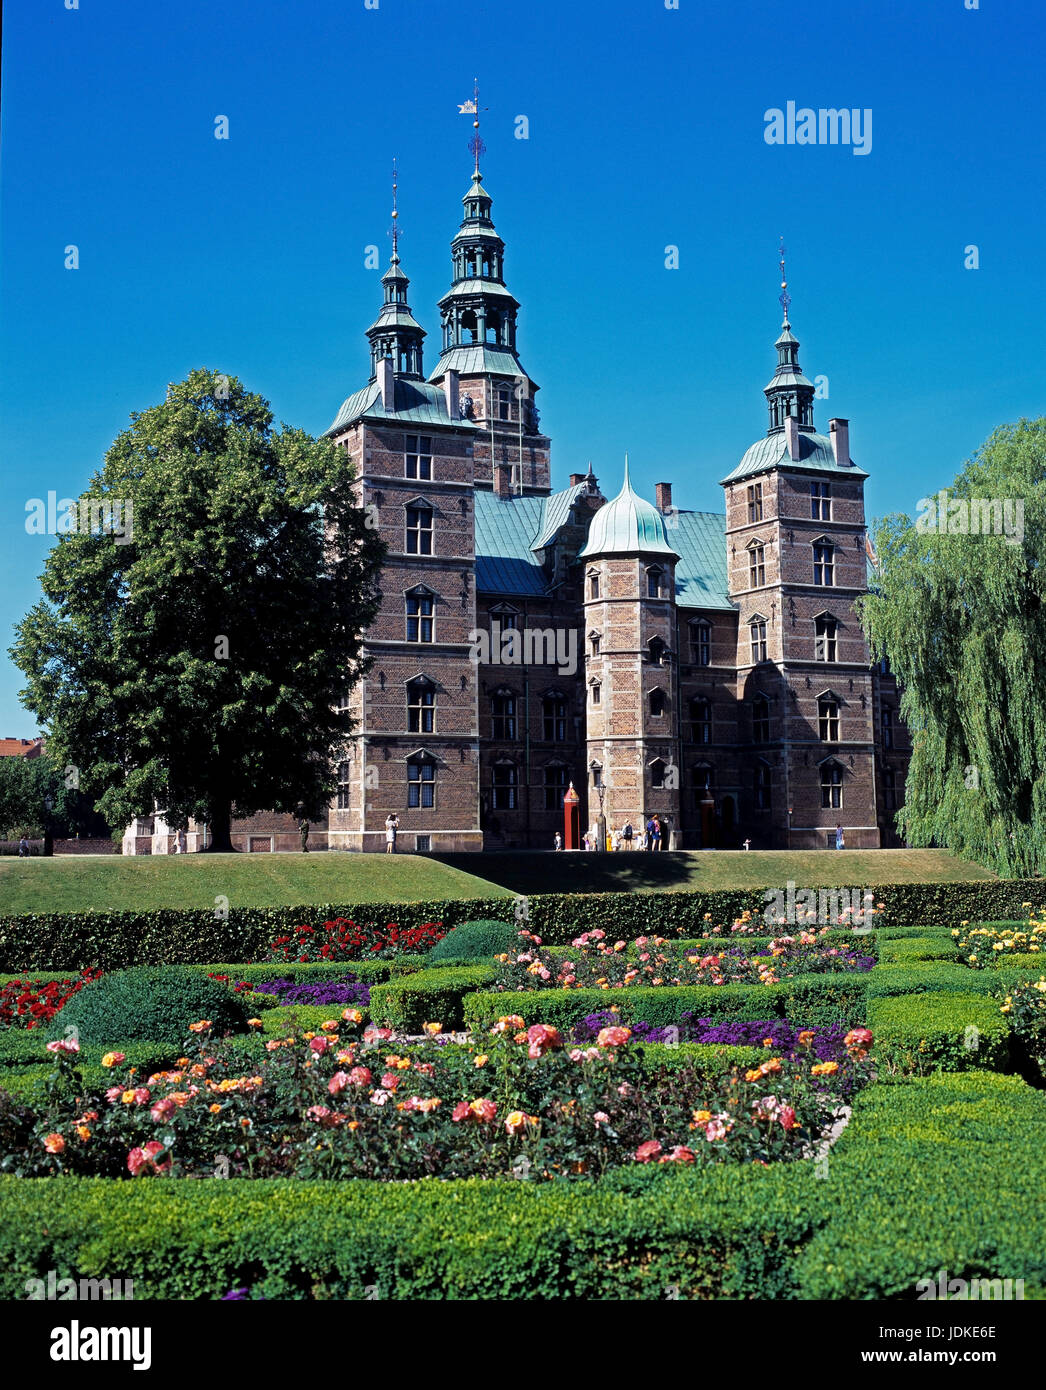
{"x": 825, "y": 635}
{"x": 701, "y": 720}
{"x": 701, "y": 642}
{"x": 555, "y": 786}
{"x": 658, "y": 703}
{"x": 504, "y": 786}
{"x": 760, "y": 719}
{"x": 831, "y": 786}
{"x": 419, "y": 615}
{"x": 503, "y": 714}
{"x": 344, "y": 802}
{"x": 554, "y": 717}
{"x": 757, "y": 634}
{"x": 824, "y": 563}
{"x": 419, "y": 529}
{"x": 828, "y": 719}
{"x": 756, "y": 565}
{"x": 421, "y": 707}
{"x": 654, "y": 582}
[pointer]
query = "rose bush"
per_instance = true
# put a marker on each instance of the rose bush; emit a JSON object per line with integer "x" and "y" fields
{"x": 343, "y": 939}
{"x": 27, "y": 1003}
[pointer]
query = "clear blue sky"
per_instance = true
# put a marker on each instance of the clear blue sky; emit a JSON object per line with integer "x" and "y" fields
{"x": 646, "y": 129}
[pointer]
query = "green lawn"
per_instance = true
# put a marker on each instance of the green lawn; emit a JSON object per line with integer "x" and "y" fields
{"x": 112, "y": 882}
{"x": 80, "y": 884}
{"x": 640, "y": 872}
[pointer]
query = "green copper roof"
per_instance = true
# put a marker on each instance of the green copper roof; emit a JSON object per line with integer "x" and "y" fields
{"x": 475, "y": 359}
{"x": 505, "y": 563}
{"x": 628, "y": 525}
{"x": 461, "y": 289}
{"x": 415, "y": 403}
{"x": 700, "y": 539}
{"x": 815, "y": 455}
{"x": 556, "y": 513}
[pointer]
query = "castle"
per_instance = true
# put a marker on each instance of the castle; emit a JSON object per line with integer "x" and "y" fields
{"x": 708, "y": 667}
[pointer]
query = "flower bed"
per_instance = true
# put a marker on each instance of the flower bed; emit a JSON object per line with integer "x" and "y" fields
{"x": 985, "y": 945}
{"x": 336, "y": 1104}
{"x": 336, "y": 993}
{"x": 594, "y": 963}
{"x": 342, "y": 939}
{"x": 27, "y": 1003}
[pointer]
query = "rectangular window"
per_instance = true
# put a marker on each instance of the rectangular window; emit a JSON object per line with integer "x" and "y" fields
{"x": 821, "y": 501}
{"x": 755, "y": 502}
{"x": 700, "y": 644}
{"x": 593, "y": 586}
{"x": 595, "y": 694}
{"x": 831, "y": 789}
{"x": 419, "y": 618}
{"x": 824, "y": 564}
{"x": 887, "y": 723}
{"x": 504, "y": 786}
{"x": 421, "y": 709}
{"x": 504, "y": 406}
{"x": 828, "y": 721}
{"x": 756, "y": 567}
{"x": 419, "y": 531}
{"x": 653, "y": 583}
{"x": 825, "y": 639}
{"x": 761, "y": 721}
{"x": 555, "y": 720}
{"x": 758, "y": 636}
{"x": 421, "y": 784}
{"x": 343, "y": 786}
{"x": 423, "y": 844}
{"x": 555, "y": 788}
{"x": 503, "y": 716}
{"x": 419, "y": 457}
{"x": 597, "y": 776}
{"x": 594, "y": 639}
{"x": 761, "y": 788}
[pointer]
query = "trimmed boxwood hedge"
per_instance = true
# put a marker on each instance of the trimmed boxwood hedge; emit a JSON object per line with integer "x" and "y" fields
{"x": 914, "y": 1184}
{"x": 806, "y": 1000}
{"x": 115, "y": 939}
{"x": 430, "y": 996}
{"x": 917, "y": 1034}
{"x": 914, "y": 948}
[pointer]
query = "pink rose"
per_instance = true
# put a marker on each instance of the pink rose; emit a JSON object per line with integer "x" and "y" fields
{"x": 360, "y": 1076}
{"x": 338, "y": 1082}
{"x": 647, "y": 1151}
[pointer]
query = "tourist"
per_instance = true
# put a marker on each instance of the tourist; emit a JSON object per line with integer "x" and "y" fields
{"x": 392, "y": 825}
{"x": 558, "y": 840}
{"x": 23, "y": 848}
{"x": 651, "y": 831}
{"x": 747, "y": 845}
{"x": 626, "y": 834}
{"x": 657, "y": 832}
{"x": 615, "y": 838}
{"x": 303, "y": 831}
{"x": 840, "y": 839}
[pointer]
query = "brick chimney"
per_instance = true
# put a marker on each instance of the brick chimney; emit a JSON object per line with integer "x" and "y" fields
{"x": 450, "y": 389}
{"x": 387, "y": 382}
{"x": 663, "y": 496}
{"x": 503, "y": 480}
{"x": 839, "y": 432}
{"x": 792, "y": 435}
{"x": 576, "y": 479}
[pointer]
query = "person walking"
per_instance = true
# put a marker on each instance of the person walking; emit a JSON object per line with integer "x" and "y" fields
{"x": 840, "y": 838}
{"x": 392, "y": 825}
{"x": 23, "y": 848}
{"x": 657, "y": 833}
{"x": 303, "y": 831}
{"x": 626, "y": 835}
{"x": 558, "y": 841}
{"x": 651, "y": 830}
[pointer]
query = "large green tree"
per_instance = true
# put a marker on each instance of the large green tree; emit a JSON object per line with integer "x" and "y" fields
{"x": 26, "y": 787}
{"x": 960, "y": 615}
{"x": 196, "y": 662}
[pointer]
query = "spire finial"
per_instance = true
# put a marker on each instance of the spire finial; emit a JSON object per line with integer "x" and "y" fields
{"x": 473, "y": 108}
{"x": 784, "y": 298}
{"x": 627, "y": 483}
{"x": 395, "y": 215}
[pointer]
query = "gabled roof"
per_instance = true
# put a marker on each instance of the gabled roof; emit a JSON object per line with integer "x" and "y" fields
{"x": 815, "y": 454}
{"x": 415, "y": 403}
{"x": 556, "y": 513}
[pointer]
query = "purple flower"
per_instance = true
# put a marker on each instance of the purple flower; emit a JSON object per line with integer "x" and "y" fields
{"x": 348, "y": 990}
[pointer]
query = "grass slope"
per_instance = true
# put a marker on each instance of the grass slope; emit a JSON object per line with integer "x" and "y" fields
{"x": 104, "y": 883}
{"x": 639, "y": 872}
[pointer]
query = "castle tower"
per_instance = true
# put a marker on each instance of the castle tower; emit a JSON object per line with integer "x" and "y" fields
{"x": 416, "y": 751}
{"x": 633, "y": 728}
{"x": 479, "y": 342}
{"x": 796, "y": 564}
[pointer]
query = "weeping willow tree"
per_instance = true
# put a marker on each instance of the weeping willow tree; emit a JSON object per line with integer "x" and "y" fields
{"x": 958, "y": 610}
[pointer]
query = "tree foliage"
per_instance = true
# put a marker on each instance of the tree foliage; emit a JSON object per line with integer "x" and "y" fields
{"x": 198, "y": 666}
{"x": 26, "y": 784}
{"x": 960, "y": 616}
